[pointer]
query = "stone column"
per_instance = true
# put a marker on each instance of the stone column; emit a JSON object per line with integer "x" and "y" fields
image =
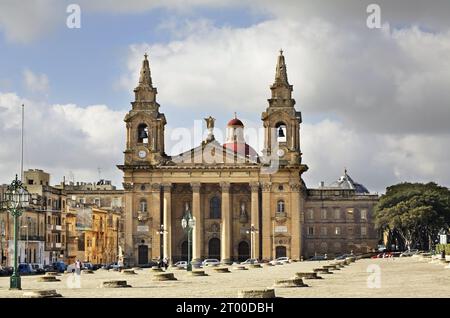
{"x": 197, "y": 241}
{"x": 295, "y": 221}
{"x": 155, "y": 214}
{"x": 129, "y": 228}
{"x": 255, "y": 219}
{"x": 225, "y": 242}
{"x": 167, "y": 219}
{"x": 266, "y": 222}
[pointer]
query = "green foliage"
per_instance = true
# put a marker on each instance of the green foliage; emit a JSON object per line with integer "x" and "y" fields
{"x": 413, "y": 212}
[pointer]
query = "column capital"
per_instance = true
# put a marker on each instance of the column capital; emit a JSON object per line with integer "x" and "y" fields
{"x": 196, "y": 186}
{"x": 167, "y": 187}
{"x": 225, "y": 186}
{"x": 254, "y": 186}
{"x": 266, "y": 186}
{"x": 295, "y": 187}
{"x": 128, "y": 186}
{"x": 155, "y": 187}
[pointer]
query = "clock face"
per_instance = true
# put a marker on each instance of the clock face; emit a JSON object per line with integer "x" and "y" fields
{"x": 280, "y": 152}
{"x": 142, "y": 154}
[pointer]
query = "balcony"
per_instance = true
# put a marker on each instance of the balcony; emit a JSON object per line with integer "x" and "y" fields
{"x": 58, "y": 227}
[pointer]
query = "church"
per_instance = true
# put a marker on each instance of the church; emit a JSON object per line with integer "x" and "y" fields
{"x": 243, "y": 204}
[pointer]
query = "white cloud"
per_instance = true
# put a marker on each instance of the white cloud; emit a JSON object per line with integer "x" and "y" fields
{"x": 61, "y": 139}
{"x": 35, "y": 83}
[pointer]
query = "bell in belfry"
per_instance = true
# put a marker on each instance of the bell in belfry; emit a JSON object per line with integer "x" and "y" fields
{"x": 143, "y": 134}
{"x": 281, "y": 132}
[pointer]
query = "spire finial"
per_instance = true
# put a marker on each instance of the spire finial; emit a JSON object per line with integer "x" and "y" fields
{"x": 145, "y": 55}
{"x": 235, "y": 115}
{"x": 345, "y": 171}
{"x": 281, "y": 72}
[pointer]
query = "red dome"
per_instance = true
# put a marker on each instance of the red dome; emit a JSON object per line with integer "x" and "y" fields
{"x": 241, "y": 148}
{"x": 235, "y": 122}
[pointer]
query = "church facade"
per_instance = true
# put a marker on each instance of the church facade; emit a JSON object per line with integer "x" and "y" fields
{"x": 245, "y": 204}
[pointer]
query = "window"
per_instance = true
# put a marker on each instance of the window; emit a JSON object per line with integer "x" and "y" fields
{"x": 30, "y": 181}
{"x": 337, "y": 230}
{"x": 323, "y": 247}
{"x": 323, "y": 214}
{"x": 310, "y": 230}
{"x": 97, "y": 202}
{"x": 49, "y": 220}
{"x": 142, "y": 134}
{"x": 363, "y": 214}
{"x": 350, "y": 230}
{"x": 349, "y": 213}
{"x": 337, "y": 247}
{"x": 215, "y": 208}
{"x": 281, "y": 132}
{"x": 337, "y": 214}
{"x": 363, "y": 231}
{"x": 323, "y": 230}
{"x": 143, "y": 205}
{"x": 280, "y": 206}
{"x": 310, "y": 214}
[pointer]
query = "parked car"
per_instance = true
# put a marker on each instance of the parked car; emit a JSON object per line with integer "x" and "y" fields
{"x": 87, "y": 265}
{"x": 250, "y": 261}
{"x": 59, "y": 266}
{"x": 210, "y": 262}
{"x": 317, "y": 258}
{"x": 26, "y": 269}
{"x": 148, "y": 265}
{"x": 410, "y": 252}
{"x": 280, "y": 261}
{"x": 180, "y": 264}
{"x": 344, "y": 256}
{"x": 38, "y": 268}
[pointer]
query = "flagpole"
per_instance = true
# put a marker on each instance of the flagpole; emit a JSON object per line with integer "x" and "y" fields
{"x": 21, "y": 159}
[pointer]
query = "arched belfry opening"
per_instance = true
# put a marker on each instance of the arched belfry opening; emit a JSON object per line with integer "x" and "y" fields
{"x": 142, "y": 134}
{"x": 281, "y": 131}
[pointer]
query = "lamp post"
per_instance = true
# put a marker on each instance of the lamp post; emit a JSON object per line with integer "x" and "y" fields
{"x": 2, "y": 234}
{"x": 188, "y": 223}
{"x": 252, "y": 232}
{"x": 15, "y": 200}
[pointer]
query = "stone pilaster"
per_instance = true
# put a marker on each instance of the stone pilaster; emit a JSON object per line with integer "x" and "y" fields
{"x": 197, "y": 239}
{"x": 155, "y": 213}
{"x": 225, "y": 248}
{"x": 167, "y": 218}
{"x": 266, "y": 221}
{"x": 295, "y": 221}
{"x": 254, "y": 186}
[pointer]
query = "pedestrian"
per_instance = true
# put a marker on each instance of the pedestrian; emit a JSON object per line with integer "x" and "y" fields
{"x": 166, "y": 263}
{"x": 78, "y": 267}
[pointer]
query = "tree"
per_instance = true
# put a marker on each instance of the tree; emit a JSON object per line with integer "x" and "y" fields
{"x": 412, "y": 214}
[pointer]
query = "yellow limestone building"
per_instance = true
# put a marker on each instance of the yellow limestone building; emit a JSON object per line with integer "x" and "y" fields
{"x": 244, "y": 204}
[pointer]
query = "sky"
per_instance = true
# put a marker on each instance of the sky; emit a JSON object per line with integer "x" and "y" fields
{"x": 375, "y": 101}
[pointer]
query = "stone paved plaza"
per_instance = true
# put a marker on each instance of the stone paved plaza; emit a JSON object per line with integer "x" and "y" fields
{"x": 400, "y": 277}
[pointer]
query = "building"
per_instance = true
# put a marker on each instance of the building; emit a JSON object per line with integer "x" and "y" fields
{"x": 49, "y": 203}
{"x": 96, "y": 196}
{"x": 245, "y": 204}
{"x": 93, "y": 235}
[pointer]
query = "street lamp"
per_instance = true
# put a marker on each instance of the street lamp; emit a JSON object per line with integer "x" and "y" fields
{"x": 15, "y": 199}
{"x": 188, "y": 223}
{"x": 252, "y": 232}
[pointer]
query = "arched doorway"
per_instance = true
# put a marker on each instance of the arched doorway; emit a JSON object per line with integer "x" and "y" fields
{"x": 243, "y": 251}
{"x": 142, "y": 254}
{"x": 214, "y": 248}
{"x": 184, "y": 251}
{"x": 280, "y": 251}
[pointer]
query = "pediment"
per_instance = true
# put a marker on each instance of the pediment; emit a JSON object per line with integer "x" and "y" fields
{"x": 211, "y": 153}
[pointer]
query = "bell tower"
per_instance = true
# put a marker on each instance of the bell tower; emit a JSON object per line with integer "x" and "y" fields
{"x": 281, "y": 120}
{"x": 145, "y": 124}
